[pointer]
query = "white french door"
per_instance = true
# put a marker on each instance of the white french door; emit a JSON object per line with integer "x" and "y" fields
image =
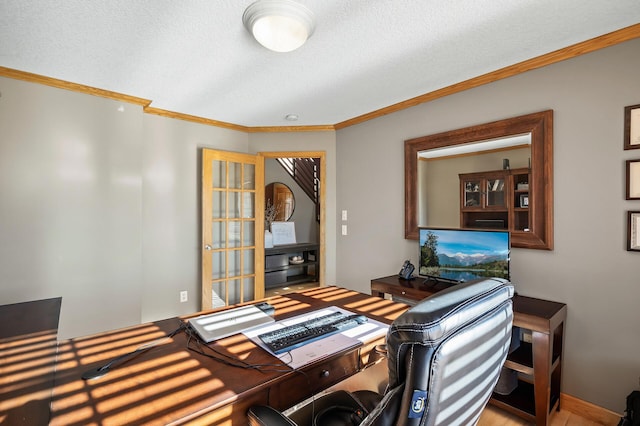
{"x": 232, "y": 228}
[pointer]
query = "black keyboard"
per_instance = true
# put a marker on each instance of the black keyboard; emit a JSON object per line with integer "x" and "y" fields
{"x": 296, "y": 335}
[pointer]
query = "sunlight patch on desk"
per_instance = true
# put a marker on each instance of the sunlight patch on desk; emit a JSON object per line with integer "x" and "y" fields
{"x": 27, "y": 373}
{"x": 79, "y": 416}
{"x": 23, "y": 365}
{"x": 290, "y": 306}
{"x": 172, "y": 385}
{"x": 143, "y": 331}
{"x": 379, "y": 307}
{"x": 333, "y": 295}
{"x": 112, "y": 345}
{"x": 67, "y": 359}
{"x": 238, "y": 345}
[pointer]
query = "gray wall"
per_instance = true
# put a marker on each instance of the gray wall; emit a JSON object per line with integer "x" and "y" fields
{"x": 102, "y": 207}
{"x": 589, "y": 269}
{"x": 99, "y": 206}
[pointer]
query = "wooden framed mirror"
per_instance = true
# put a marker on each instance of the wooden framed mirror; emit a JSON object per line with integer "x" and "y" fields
{"x": 535, "y": 203}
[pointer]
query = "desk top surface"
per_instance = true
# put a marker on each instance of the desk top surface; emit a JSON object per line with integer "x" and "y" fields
{"x": 530, "y": 312}
{"x": 28, "y": 337}
{"x": 169, "y": 382}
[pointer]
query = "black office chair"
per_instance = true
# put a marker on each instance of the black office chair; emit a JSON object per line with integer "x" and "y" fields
{"x": 444, "y": 357}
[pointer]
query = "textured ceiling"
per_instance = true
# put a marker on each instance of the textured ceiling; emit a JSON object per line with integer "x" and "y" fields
{"x": 195, "y": 57}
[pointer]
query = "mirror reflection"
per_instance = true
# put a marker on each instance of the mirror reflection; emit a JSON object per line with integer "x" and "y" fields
{"x": 280, "y": 199}
{"x": 441, "y": 170}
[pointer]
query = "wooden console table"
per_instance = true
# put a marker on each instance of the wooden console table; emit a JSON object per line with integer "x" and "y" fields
{"x": 280, "y": 270}
{"x": 538, "y": 361}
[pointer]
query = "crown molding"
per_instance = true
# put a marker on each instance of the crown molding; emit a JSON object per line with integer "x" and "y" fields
{"x": 74, "y": 87}
{"x": 194, "y": 119}
{"x": 610, "y": 39}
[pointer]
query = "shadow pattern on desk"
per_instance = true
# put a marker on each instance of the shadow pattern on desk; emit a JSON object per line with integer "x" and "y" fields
{"x": 171, "y": 384}
{"x": 159, "y": 386}
{"x": 28, "y": 341}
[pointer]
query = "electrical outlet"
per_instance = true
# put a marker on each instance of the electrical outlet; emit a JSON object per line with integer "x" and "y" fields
{"x": 344, "y": 229}
{"x": 344, "y": 215}
{"x": 184, "y": 296}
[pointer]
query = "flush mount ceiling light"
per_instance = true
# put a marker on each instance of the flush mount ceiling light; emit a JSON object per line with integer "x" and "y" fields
{"x": 279, "y": 25}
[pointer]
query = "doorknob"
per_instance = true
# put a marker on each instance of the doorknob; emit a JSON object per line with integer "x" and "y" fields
{"x": 207, "y": 247}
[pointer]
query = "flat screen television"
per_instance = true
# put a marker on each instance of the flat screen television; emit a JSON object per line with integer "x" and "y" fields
{"x": 461, "y": 255}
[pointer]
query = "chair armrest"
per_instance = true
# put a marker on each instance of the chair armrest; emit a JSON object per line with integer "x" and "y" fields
{"x": 262, "y": 415}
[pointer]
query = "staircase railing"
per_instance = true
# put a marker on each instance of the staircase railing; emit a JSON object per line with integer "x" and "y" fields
{"x": 305, "y": 172}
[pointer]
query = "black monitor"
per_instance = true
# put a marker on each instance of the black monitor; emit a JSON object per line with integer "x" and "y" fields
{"x": 461, "y": 255}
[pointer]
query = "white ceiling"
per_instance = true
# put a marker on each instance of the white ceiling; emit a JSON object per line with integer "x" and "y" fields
{"x": 195, "y": 57}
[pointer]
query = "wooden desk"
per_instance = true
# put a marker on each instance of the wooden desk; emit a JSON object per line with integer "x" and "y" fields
{"x": 539, "y": 361}
{"x": 169, "y": 384}
{"x": 28, "y": 340}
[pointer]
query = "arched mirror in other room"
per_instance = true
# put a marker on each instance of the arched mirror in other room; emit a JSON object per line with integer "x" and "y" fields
{"x": 280, "y": 199}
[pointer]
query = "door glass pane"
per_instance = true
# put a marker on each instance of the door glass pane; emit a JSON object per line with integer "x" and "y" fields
{"x": 217, "y": 264}
{"x": 495, "y": 192}
{"x": 248, "y": 205}
{"x": 235, "y": 175}
{"x": 234, "y": 263}
{"x": 249, "y": 285}
{"x": 218, "y": 235}
{"x": 234, "y": 204}
{"x": 249, "y": 181}
{"x": 249, "y": 236}
{"x": 248, "y": 262}
{"x": 234, "y": 233}
{"x": 218, "y": 211}
{"x": 234, "y": 291}
{"x": 218, "y": 295}
{"x": 219, "y": 171}
{"x": 472, "y": 193}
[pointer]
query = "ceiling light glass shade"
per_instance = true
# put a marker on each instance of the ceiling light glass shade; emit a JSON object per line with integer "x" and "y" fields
{"x": 279, "y": 25}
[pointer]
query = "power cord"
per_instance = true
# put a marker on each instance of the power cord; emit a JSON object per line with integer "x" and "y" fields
{"x": 96, "y": 373}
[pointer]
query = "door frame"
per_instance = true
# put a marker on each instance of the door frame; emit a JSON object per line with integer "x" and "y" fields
{"x": 321, "y": 234}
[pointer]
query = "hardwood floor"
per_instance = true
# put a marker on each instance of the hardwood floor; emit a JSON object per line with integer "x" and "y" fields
{"x": 276, "y": 291}
{"x": 493, "y": 416}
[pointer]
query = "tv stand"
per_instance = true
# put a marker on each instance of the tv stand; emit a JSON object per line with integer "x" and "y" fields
{"x": 538, "y": 361}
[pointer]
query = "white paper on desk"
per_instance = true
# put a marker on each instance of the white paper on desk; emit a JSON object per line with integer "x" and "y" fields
{"x": 322, "y": 348}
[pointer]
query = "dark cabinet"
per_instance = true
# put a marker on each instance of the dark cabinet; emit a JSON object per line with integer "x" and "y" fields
{"x": 291, "y": 264}
{"x": 496, "y": 199}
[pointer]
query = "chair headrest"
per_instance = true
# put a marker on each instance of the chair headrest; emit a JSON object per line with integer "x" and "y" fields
{"x": 438, "y": 315}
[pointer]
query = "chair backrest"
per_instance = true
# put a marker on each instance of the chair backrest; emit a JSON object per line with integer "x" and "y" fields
{"x": 445, "y": 356}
